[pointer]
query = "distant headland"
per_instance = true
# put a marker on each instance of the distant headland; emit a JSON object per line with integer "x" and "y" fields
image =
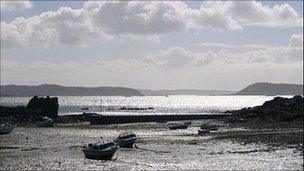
{"x": 57, "y": 90}
{"x": 262, "y": 88}
{"x": 271, "y": 89}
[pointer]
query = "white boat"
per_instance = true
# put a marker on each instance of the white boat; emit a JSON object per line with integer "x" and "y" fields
{"x": 46, "y": 122}
{"x": 6, "y": 128}
{"x": 100, "y": 151}
{"x": 126, "y": 140}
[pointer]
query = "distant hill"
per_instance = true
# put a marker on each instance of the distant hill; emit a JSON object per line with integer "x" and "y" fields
{"x": 57, "y": 90}
{"x": 185, "y": 92}
{"x": 265, "y": 88}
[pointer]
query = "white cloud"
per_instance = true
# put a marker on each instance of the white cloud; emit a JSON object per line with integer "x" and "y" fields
{"x": 66, "y": 26}
{"x": 232, "y": 15}
{"x": 178, "y": 57}
{"x": 9, "y": 6}
{"x": 138, "y": 17}
{"x": 103, "y": 20}
{"x": 296, "y": 40}
{"x": 223, "y": 45}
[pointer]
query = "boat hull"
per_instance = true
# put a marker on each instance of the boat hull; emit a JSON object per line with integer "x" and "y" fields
{"x": 6, "y": 129}
{"x": 99, "y": 155}
{"x": 126, "y": 143}
{"x": 175, "y": 127}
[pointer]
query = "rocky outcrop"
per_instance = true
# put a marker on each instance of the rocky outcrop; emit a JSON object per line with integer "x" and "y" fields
{"x": 35, "y": 109}
{"x": 279, "y": 109}
{"x": 46, "y": 106}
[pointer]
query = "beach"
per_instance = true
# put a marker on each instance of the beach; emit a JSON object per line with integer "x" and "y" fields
{"x": 158, "y": 148}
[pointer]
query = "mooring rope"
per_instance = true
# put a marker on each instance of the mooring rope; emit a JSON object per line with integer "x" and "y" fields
{"x": 156, "y": 151}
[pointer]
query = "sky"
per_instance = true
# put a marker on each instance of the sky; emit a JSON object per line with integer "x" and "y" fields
{"x": 224, "y": 45}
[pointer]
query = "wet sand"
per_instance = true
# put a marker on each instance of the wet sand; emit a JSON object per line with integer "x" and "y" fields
{"x": 160, "y": 148}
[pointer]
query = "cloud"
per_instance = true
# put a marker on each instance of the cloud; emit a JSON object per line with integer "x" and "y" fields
{"x": 138, "y": 17}
{"x": 66, "y": 26}
{"x": 9, "y": 6}
{"x": 178, "y": 57}
{"x": 296, "y": 40}
{"x": 106, "y": 20}
{"x": 223, "y": 45}
{"x": 233, "y": 15}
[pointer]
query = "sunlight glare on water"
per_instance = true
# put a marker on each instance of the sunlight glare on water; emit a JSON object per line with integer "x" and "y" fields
{"x": 161, "y": 105}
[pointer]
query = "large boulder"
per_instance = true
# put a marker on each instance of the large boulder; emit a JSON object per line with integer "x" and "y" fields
{"x": 46, "y": 106}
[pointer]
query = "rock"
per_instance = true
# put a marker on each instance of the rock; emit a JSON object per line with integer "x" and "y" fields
{"x": 278, "y": 109}
{"x": 46, "y": 106}
{"x": 297, "y": 99}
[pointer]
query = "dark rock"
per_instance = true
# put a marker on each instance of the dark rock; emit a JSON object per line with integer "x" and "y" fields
{"x": 276, "y": 110}
{"x": 46, "y": 106}
{"x": 297, "y": 99}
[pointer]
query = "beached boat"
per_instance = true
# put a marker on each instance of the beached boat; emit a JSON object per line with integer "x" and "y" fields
{"x": 100, "y": 151}
{"x": 6, "y": 128}
{"x": 125, "y": 140}
{"x": 46, "y": 122}
{"x": 211, "y": 127}
{"x": 178, "y": 126}
{"x": 85, "y": 108}
{"x": 187, "y": 123}
{"x": 203, "y": 131}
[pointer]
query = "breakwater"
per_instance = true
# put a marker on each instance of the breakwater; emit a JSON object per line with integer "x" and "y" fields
{"x": 119, "y": 119}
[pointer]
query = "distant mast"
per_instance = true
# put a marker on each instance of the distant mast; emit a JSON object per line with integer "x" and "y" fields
{"x": 100, "y": 104}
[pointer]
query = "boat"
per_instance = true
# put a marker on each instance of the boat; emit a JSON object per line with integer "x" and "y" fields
{"x": 211, "y": 127}
{"x": 100, "y": 150}
{"x": 125, "y": 140}
{"x": 85, "y": 108}
{"x": 46, "y": 122}
{"x": 6, "y": 128}
{"x": 203, "y": 131}
{"x": 178, "y": 126}
{"x": 187, "y": 123}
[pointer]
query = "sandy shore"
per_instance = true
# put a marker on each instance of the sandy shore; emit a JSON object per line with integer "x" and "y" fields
{"x": 230, "y": 148}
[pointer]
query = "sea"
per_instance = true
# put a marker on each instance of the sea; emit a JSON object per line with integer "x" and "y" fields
{"x": 146, "y": 105}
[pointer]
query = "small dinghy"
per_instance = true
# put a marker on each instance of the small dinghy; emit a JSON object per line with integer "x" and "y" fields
{"x": 125, "y": 140}
{"x": 84, "y": 108}
{"x": 46, "y": 122}
{"x": 203, "y": 131}
{"x": 6, "y": 128}
{"x": 187, "y": 123}
{"x": 178, "y": 126}
{"x": 210, "y": 127}
{"x": 100, "y": 150}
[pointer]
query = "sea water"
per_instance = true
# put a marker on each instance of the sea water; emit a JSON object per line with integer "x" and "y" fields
{"x": 121, "y": 105}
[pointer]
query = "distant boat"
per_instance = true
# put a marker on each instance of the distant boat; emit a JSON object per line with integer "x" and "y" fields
{"x": 203, "y": 131}
{"x": 6, "y": 128}
{"x": 46, "y": 122}
{"x": 187, "y": 123}
{"x": 125, "y": 140}
{"x": 84, "y": 108}
{"x": 211, "y": 127}
{"x": 100, "y": 151}
{"x": 178, "y": 126}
